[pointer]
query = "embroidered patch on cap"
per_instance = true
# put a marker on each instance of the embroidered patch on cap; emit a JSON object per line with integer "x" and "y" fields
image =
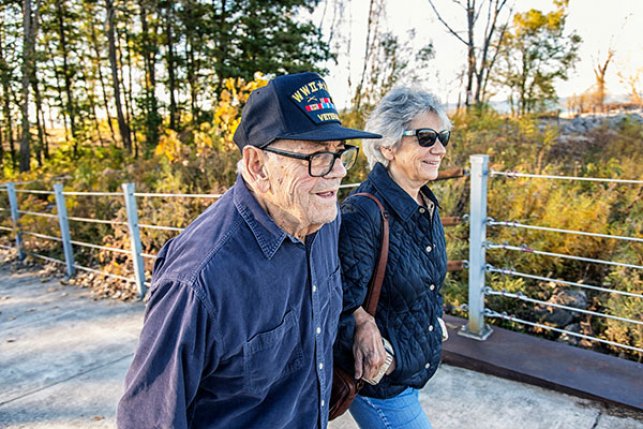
{"x": 314, "y": 100}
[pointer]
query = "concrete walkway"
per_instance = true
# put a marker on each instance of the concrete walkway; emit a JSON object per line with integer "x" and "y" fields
{"x": 63, "y": 357}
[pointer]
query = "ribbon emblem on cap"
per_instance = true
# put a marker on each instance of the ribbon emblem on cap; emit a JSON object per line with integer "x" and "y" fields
{"x": 314, "y": 100}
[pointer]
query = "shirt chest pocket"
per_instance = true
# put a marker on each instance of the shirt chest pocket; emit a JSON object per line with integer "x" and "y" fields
{"x": 272, "y": 355}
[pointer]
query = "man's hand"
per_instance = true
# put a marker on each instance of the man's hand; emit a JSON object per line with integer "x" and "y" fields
{"x": 368, "y": 349}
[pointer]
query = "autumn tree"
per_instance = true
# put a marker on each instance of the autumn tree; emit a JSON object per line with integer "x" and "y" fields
{"x": 600, "y": 71}
{"x": 536, "y": 54}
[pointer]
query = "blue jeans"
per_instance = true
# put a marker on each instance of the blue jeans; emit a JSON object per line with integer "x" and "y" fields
{"x": 399, "y": 412}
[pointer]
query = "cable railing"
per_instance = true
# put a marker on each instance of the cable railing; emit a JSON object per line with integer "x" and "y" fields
{"x": 477, "y": 266}
{"x": 129, "y": 198}
{"x": 479, "y": 288}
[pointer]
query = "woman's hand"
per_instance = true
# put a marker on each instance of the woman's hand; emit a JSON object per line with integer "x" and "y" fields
{"x": 368, "y": 349}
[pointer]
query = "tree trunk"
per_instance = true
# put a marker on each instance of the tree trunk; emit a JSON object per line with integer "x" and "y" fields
{"x": 189, "y": 59}
{"x": 128, "y": 90}
{"x": 99, "y": 71}
{"x": 39, "y": 123}
{"x": 34, "y": 83}
{"x": 171, "y": 72}
{"x": 471, "y": 51}
{"x": 91, "y": 93}
{"x": 221, "y": 44}
{"x": 151, "y": 104}
{"x": 59, "y": 89}
{"x": 25, "y": 155}
{"x": 6, "y": 107}
{"x": 370, "y": 46}
{"x": 71, "y": 105}
{"x": 122, "y": 124}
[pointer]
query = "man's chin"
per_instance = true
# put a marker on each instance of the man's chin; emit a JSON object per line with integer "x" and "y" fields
{"x": 325, "y": 216}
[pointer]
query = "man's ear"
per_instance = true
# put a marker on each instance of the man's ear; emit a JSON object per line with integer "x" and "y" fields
{"x": 254, "y": 163}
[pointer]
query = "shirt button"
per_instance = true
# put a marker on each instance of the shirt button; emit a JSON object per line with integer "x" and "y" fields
{"x": 422, "y": 209}
{"x": 323, "y": 403}
{"x": 321, "y": 365}
{"x": 318, "y": 330}
{"x": 432, "y": 287}
{"x": 429, "y": 248}
{"x": 427, "y": 366}
{"x": 430, "y": 328}
{"x": 314, "y": 288}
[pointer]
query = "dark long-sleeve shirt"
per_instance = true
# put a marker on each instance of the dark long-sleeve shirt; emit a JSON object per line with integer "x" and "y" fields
{"x": 240, "y": 325}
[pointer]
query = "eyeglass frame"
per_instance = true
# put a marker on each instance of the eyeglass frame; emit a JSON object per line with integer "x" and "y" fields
{"x": 438, "y": 136}
{"x": 310, "y": 156}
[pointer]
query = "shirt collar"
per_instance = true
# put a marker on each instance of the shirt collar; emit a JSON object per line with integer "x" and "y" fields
{"x": 398, "y": 200}
{"x": 268, "y": 235}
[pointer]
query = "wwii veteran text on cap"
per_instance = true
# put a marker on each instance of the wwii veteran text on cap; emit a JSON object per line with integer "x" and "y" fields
{"x": 292, "y": 107}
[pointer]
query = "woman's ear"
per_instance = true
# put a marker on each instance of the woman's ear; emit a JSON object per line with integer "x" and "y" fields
{"x": 388, "y": 152}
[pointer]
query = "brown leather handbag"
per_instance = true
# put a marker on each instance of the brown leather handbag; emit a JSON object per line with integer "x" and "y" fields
{"x": 345, "y": 387}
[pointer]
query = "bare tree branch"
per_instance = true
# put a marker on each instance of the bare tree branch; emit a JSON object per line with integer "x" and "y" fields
{"x": 452, "y": 31}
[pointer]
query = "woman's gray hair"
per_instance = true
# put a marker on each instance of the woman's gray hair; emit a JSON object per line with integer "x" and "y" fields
{"x": 393, "y": 114}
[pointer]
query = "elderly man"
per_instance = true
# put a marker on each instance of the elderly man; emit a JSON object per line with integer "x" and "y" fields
{"x": 245, "y": 302}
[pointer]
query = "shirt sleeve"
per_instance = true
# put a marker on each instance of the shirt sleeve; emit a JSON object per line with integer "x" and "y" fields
{"x": 359, "y": 246}
{"x": 175, "y": 348}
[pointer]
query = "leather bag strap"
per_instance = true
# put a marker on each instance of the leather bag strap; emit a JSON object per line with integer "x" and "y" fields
{"x": 375, "y": 285}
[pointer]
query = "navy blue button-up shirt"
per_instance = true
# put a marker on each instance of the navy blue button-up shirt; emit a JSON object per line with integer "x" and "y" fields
{"x": 240, "y": 325}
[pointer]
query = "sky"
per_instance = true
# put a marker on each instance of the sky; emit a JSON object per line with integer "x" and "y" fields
{"x": 601, "y": 24}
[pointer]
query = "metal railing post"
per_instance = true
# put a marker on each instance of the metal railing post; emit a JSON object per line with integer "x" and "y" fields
{"x": 135, "y": 236}
{"x": 65, "y": 235}
{"x": 476, "y": 327}
{"x": 13, "y": 204}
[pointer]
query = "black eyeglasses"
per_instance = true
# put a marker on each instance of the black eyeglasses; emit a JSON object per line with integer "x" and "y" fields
{"x": 428, "y": 136}
{"x": 321, "y": 163}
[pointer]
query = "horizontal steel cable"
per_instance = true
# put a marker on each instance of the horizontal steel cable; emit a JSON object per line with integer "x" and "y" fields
{"x": 26, "y": 212}
{"x": 96, "y": 246}
{"x": 88, "y": 220}
{"x": 513, "y": 174}
{"x": 523, "y": 297}
{"x": 512, "y": 224}
{"x": 166, "y": 195}
{"x": 166, "y": 228}
{"x": 496, "y": 315}
{"x": 103, "y": 273}
{"x": 349, "y": 185}
{"x": 492, "y": 269}
{"x": 46, "y": 258}
{"x": 527, "y": 249}
{"x": 28, "y": 191}
{"x": 47, "y": 237}
{"x": 5, "y": 228}
{"x": 94, "y": 194}
{"x": 149, "y": 256}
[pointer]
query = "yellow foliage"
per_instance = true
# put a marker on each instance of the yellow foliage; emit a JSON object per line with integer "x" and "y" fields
{"x": 169, "y": 146}
{"x": 227, "y": 112}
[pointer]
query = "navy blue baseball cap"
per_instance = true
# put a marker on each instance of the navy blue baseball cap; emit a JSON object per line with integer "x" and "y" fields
{"x": 292, "y": 107}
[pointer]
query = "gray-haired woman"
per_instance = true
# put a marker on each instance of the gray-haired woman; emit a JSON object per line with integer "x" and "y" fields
{"x": 415, "y": 131}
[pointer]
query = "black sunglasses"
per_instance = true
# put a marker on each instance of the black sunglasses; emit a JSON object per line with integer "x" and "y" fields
{"x": 321, "y": 163}
{"x": 428, "y": 136}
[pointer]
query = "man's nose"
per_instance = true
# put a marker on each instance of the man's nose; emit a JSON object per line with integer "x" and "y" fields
{"x": 338, "y": 170}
